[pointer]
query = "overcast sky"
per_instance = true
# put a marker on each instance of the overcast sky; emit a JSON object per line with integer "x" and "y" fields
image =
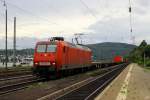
{"x": 100, "y": 20}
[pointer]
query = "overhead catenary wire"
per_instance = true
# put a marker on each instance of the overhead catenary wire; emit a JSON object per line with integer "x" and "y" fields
{"x": 45, "y": 20}
{"x": 2, "y": 1}
{"x": 89, "y": 10}
{"x": 30, "y": 13}
{"x": 2, "y": 15}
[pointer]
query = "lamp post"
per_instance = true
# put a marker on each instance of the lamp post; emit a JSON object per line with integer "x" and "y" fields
{"x": 144, "y": 60}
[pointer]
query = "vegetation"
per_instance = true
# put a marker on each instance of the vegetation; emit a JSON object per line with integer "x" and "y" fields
{"x": 141, "y": 54}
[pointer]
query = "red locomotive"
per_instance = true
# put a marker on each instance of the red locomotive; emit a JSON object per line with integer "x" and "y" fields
{"x": 55, "y": 55}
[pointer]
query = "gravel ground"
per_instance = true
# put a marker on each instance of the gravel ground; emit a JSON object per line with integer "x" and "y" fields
{"x": 137, "y": 89}
{"x": 43, "y": 88}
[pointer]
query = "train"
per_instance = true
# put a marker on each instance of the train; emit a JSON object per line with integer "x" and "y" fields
{"x": 55, "y": 55}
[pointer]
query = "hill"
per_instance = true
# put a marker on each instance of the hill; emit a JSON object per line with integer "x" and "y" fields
{"x": 108, "y": 50}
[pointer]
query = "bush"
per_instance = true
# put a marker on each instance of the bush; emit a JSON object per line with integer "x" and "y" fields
{"x": 148, "y": 63}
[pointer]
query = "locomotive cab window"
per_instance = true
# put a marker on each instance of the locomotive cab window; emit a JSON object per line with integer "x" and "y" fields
{"x": 51, "y": 48}
{"x": 41, "y": 48}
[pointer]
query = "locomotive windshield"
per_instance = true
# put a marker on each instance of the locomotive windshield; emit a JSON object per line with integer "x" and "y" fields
{"x": 46, "y": 48}
{"x": 51, "y": 48}
{"x": 41, "y": 48}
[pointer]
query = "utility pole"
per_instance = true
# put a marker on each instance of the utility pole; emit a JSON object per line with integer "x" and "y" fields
{"x": 14, "y": 44}
{"x": 144, "y": 59}
{"x": 131, "y": 28}
{"x": 6, "y": 56}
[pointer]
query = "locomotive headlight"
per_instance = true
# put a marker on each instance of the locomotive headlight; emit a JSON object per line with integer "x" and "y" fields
{"x": 36, "y": 63}
{"x": 53, "y": 63}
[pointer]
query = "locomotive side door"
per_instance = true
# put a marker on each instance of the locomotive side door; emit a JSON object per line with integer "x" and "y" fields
{"x": 66, "y": 56}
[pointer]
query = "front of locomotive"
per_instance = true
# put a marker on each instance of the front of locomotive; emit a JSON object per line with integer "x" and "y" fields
{"x": 45, "y": 58}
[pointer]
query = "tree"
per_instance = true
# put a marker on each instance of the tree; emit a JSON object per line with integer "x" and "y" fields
{"x": 141, "y": 54}
{"x": 143, "y": 44}
{"x": 147, "y": 51}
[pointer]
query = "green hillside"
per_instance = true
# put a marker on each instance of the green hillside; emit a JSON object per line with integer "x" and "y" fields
{"x": 107, "y": 50}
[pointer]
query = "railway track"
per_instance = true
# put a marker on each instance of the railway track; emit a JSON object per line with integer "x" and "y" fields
{"x": 10, "y": 74}
{"x": 94, "y": 87}
{"x": 8, "y": 85}
{"x": 16, "y": 77}
{"x": 2, "y": 71}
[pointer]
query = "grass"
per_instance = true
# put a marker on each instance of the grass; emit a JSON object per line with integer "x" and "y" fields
{"x": 146, "y": 69}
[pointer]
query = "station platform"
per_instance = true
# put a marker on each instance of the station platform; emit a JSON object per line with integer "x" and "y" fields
{"x": 132, "y": 84}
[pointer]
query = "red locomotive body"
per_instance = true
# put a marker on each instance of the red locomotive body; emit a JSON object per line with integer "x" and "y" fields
{"x": 56, "y": 55}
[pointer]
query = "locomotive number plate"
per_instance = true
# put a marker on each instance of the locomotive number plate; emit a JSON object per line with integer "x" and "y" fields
{"x": 45, "y": 63}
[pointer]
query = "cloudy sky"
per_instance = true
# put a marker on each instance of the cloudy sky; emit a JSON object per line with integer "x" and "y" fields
{"x": 99, "y": 20}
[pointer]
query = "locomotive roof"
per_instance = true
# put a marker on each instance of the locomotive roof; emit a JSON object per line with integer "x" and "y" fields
{"x": 46, "y": 42}
{"x": 67, "y": 43}
{"x": 78, "y": 46}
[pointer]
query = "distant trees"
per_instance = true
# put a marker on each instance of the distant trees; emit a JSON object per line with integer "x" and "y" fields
{"x": 138, "y": 54}
{"x": 143, "y": 44}
{"x": 18, "y": 52}
{"x": 147, "y": 51}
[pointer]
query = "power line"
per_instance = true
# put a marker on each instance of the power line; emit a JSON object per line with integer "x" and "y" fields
{"x": 2, "y": 1}
{"x": 27, "y": 12}
{"x": 7, "y": 18}
{"x": 89, "y": 10}
{"x": 30, "y": 13}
